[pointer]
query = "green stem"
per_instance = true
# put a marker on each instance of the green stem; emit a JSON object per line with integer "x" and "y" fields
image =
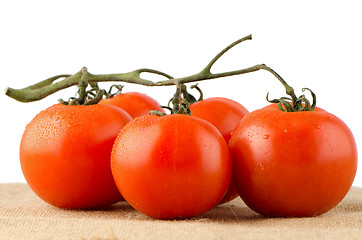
{"x": 205, "y": 73}
{"x": 47, "y": 87}
{"x": 130, "y": 77}
{"x": 207, "y": 69}
{"x": 43, "y": 89}
{"x": 179, "y": 104}
{"x": 47, "y": 82}
{"x": 288, "y": 89}
{"x": 206, "y": 76}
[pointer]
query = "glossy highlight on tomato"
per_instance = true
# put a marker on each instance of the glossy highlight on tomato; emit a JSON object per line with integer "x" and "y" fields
{"x": 169, "y": 167}
{"x": 65, "y": 155}
{"x": 134, "y": 103}
{"x": 292, "y": 164}
{"x": 224, "y": 114}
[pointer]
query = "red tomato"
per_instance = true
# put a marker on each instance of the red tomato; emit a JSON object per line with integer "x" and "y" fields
{"x": 65, "y": 154}
{"x": 292, "y": 164}
{"x": 174, "y": 166}
{"x": 134, "y": 103}
{"x": 224, "y": 114}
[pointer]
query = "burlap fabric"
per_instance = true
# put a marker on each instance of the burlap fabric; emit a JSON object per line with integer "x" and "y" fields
{"x": 24, "y": 216}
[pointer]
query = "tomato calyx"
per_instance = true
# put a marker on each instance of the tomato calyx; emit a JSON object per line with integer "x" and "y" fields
{"x": 180, "y": 101}
{"x": 190, "y": 98}
{"x": 84, "y": 96}
{"x": 186, "y": 96}
{"x": 299, "y": 104}
{"x": 109, "y": 94}
{"x": 292, "y": 103}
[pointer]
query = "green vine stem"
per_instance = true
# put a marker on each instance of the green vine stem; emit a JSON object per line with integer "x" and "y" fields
{"x": 49, "y": 86}
{"x": 90, "y": 97}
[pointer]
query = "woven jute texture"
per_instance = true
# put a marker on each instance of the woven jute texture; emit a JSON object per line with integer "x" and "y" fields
{"x": 24, "y": 216}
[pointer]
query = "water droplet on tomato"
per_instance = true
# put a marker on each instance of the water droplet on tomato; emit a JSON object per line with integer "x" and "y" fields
{"x": 318, "y": 127}
{"x": 261, "y": 166}
{"x": 266, "y": 136}
{"x": 285, "y": 130}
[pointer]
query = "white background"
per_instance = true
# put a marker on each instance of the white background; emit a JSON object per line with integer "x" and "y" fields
{"x": 315, "y": 44}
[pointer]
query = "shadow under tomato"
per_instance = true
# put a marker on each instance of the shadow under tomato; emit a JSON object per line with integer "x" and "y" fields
{"x": 234, "y": 211}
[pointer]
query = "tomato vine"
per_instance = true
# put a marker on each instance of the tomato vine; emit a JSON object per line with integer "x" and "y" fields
{"x": 44, "y": 88}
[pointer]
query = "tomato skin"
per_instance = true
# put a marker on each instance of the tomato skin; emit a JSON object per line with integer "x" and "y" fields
{"x": 65, "y": 155}
{"x": 134, "y": 103}
{"x": 224, "y": 114}
{"x": 294, "y": 164}
{"x": 168, "y": 167}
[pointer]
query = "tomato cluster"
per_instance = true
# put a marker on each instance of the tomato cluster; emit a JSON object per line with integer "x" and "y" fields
{"x": 180, "y": 166}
